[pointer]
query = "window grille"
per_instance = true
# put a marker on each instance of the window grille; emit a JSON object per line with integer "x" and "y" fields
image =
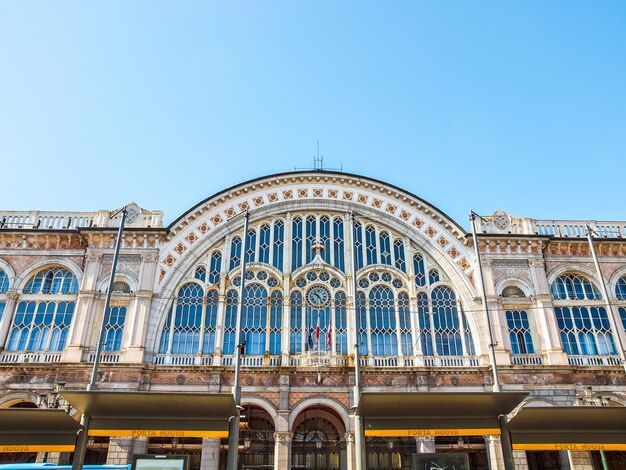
{"x": 338, "y": 244}
{"x": 200, "y": 273}
{"x": 114, "y": 328}
{"x": 385, "y": 248}
{"x": 420, "y": 272}
{"x": 235, "y": 252}
{"x": 398, "y": 253}
{"x": 341, "y": 338}
{"x": 4, "y": 282}
{"x": 215, "y": 267}
{"x": 279, "y": 243}
{"x": 295, "y": 323}
{"x": 382, "y": 322}
{"x": 519, "y": 332}
{"x": 296, "y": 243}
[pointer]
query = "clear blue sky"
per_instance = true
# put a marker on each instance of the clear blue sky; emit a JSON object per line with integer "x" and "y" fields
{"x": 470, "y": 105}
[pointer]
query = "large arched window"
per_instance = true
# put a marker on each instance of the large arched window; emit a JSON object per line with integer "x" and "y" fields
{"x": 181, "y": 334}
{"x": 583, "y": 325}
{"x": 444, "y": 330}
{"x": 254, "y": 319}
{"x": 44, "y": 313}
{"x": 382, "y": 318}
{"x": 620, "y": 294}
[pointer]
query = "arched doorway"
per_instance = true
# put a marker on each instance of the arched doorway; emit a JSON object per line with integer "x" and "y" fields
{"x": 318, "y": 440}
{"x": 256, "y": 440}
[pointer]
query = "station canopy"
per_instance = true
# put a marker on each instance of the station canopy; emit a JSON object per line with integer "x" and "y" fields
{"x": 146, "y": 414}
{"x": 37, "y": 430}
{"x": 581, "y": 428}
{"x": 435, "y": 413}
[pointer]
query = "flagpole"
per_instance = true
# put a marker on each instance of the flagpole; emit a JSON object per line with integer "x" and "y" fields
{"x": 359, "y": 444}
{"x": 233, "y": 433}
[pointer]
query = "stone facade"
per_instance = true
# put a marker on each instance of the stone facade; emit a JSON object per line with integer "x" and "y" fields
{"x": 286, "y": 387}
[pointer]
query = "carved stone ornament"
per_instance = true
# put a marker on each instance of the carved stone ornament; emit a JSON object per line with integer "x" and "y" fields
{"x": 249, "y": 380}
{"x": 180, "y": 379}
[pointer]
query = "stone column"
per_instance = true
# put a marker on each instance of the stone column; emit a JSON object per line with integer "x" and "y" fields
{"x": 350, "y": 450}
{"x": 120, "y": 451}
{"x": 140, "y": 446}
{"x": 85, "y": 311}
{"x": 425, "y": 445}
{"x": 519, "y": 458}
{"x": 7, "y": 318}
{"x": 580, "y": 460}
{"x": 282, "y": 450}
{"x": 494, "y": 453}
{"x": 210, "y": 459}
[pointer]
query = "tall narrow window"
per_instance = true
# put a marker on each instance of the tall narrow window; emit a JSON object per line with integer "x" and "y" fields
{"x": 264, "y": 244}
{"x": 338, "y": 243}
{"x": 276, "y": 301}
{"x": 406, "y": 336}
{"x": 370, "y": 245}
{"x": 251, "y": 246}
{"x": 311, "y": 236}
{"x": 254, "y": 319}
{"x": 114, "y": 328}
{"x": 210, "y": 322}
{"x": 361, "y": 323}
{"x": 341, "y": 338}
{"x": 383, "y": 322}
{"x": 423, "y": 314}
{"x": 230, "y": 321}
{"x": 4, "y": 282}
{"x": 296, "y": 243}
{"x": 235, "y": 253}
{"x": 446, "y": 322}
{"x": 215, "y": 267}
{"x": 519, "y": 332}
{"x": 295, "y": 323}
{"x": 385, "y": 248}
{"x": 420, "y": 271}
{"x": 187, "y": 320}
{"x": 279, "y": 243}
{"x": 433, "y": 276}
{"x": 398, "y": 252}
{"x": 358, "y": 246}
{"x": 620, "y": 289}
{"x": 325, "y": 237}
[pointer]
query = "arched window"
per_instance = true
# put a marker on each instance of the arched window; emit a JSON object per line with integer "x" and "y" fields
{"x": 338, "y": 243}
{"x": 433, "y": 276}
{"x": 341, "y": 338}
{"x": 325, "y": 237}
{"x": 295, "y": 323}
{"x": 385, "y": 248}
{"x": 42, "y": 324}
{"x": 584, "y": 328}
{"x": 358, "y": 245}
{"x": 383, "y": 322}
{"x": 4, "y": 282}
{"x": 519, "y": 332}
{"x": 4, "y": 288}
{"x": 444, "y": 330}
{"x": 264, "y": 244}
{"x": 420, "y": 271}
{"x": 230, "y": 322}
{"x": 361, "y": 323}
{"x": 512, "y": 291}
{"x": 279, "y": 243}
{"x": 254, "y": 319}
{"x": 121, "y": 287}
{"x": 114, "y": 328}
{"x": 215, "y": 267}
{"x": 187, "y": 320}
{"x": 620, "y": 289}
{"x": 406, "y": 336}
{"x": 200, "y": 273}
{"x": 311, "y": 236}
{"x": 296, "y": 243}
{"x": 235, "y": 253}
{"x": 574, "y": 287}
{"x": 276, "y": 321}
{"x": 370, "y": 245}
{"x": 210, "y": 322}
{"x": 250, "y": 246}
{"x": 52, "y": 281}
{"x": 398, "y": 252}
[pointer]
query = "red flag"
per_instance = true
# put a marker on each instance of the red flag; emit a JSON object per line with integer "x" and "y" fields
{"x": 328, "y": 334}
{"x": 317, "y": 332}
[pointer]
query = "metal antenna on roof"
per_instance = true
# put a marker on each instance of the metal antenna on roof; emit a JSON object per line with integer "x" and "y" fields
{"x": 318, "y": 161}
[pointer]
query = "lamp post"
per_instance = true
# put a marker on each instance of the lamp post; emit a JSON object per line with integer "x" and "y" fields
{"x": 492, "y": 345}
{"x": 81, "y": 439}
{"x": 233, "y": 432}
{"x": 359, "y": 446}
{"x": 605, "y": 294}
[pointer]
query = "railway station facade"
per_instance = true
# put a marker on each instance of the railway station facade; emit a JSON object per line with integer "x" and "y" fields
{"x": 334, "y": 262}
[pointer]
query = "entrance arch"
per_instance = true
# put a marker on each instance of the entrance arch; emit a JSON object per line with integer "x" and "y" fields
{"x": 318, "y": 439}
